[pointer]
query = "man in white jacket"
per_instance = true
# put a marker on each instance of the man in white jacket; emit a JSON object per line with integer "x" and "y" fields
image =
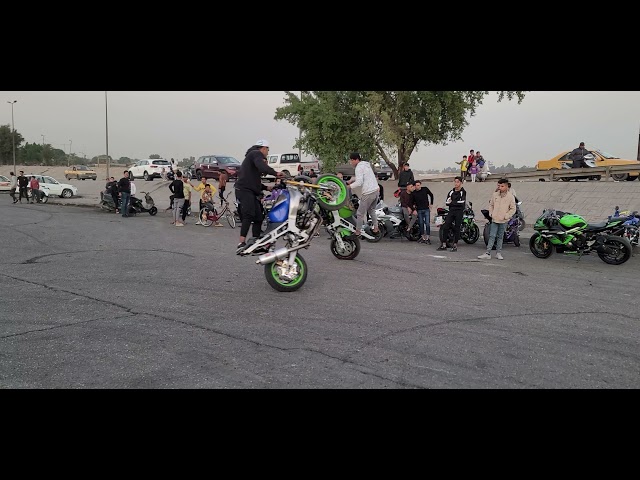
{"x": 502, "y": 207}
{"x": 366, "y": 179}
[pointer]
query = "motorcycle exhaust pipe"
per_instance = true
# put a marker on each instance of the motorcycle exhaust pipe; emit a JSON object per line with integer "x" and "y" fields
{"x": 279, "y": 254}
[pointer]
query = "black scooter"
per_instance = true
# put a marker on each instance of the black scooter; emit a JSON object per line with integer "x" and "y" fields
{"x": 136, "y": 205}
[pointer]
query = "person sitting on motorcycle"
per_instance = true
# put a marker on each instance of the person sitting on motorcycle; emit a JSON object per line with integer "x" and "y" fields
{"x": 408, "y": 205}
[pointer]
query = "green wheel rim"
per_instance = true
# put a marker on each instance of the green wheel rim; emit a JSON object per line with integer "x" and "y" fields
{"x": 336, "y": 181}
{"x": 276, "y": 277}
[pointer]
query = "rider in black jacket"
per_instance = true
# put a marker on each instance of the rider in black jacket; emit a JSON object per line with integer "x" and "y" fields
{"x": 405, "y": 177}
{"x": 456, "y": 201}
{"x": 249, "y": 187}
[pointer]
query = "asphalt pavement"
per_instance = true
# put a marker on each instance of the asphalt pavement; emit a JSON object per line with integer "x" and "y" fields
{"x": 94, "y": 300}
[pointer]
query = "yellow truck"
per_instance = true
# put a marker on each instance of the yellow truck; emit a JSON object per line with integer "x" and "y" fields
{"x": 80, "y": 172}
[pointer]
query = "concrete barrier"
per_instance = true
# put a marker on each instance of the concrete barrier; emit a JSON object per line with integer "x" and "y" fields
{"x": 593, "y": 200}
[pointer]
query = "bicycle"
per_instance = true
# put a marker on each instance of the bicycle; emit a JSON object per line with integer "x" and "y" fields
{"x": 208, "y": 217}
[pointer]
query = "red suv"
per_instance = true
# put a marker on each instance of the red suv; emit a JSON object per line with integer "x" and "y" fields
{"x": 210, "y": 166}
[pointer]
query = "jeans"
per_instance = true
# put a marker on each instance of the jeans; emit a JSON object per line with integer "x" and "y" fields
{"x": 424, "y": 221}
{"x": 124, "y": 204}
{"x": 496, "y": 231}
{"x": 177, "y": 209}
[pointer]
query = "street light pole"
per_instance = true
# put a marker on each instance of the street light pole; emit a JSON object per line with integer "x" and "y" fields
{"x": 69, "y": 159}
{"x": 106, "y": 120}
{"x": 43, "y": 161}
{"x": 13, "y": 134}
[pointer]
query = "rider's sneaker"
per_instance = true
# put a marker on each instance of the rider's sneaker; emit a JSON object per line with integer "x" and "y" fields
{"x": 442, "y": 248}
{"x": 499, "y": 256}
{"x": 241, "y": 246}
{"x": 428, "y": 241}
{"x": 453, "y": 249}
{"x": 485, "y": 256}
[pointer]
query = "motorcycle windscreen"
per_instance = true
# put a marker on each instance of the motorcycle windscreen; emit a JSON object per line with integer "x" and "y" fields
{"x": 280, "y": 211}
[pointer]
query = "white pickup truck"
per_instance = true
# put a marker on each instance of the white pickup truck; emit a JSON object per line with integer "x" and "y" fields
{"x": 288, "y": 163}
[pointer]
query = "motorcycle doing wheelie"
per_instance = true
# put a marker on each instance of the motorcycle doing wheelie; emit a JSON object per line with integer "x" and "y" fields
{"x": 469, "y": 230}
{"x": 570, "y": 234}
{"x": 295, "y": 218}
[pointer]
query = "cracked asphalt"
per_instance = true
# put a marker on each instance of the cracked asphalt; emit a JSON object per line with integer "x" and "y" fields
{"x": 92, "y": 300}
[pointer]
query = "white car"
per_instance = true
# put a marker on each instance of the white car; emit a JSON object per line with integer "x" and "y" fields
{"x": 5, "y": 184}
{"x": 50, "y": 186}
{"x": 149, "y": 168}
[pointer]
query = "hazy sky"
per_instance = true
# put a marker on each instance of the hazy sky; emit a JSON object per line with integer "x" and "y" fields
{"x": 182, "y": 124}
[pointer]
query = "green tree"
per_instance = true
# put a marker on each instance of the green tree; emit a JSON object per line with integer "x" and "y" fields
{"x": 380, "y": 125}
{"x": 154, "y": 155}
{"x": 6, "y": 145}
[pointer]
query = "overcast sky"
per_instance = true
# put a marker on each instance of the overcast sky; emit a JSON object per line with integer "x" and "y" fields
{"x": 182, "y": 124}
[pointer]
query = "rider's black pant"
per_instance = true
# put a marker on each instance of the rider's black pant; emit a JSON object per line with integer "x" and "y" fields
{"x": 453, "y": 217}
{"x": 251, "y": 212}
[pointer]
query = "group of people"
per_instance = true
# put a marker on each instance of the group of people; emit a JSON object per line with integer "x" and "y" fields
{"x": 23, "y": 184}
{"x": 472, "y": 165}
{"x": 123, "y": 192}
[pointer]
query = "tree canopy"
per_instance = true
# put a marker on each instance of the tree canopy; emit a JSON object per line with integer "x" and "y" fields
{"x": 380, "y": 125}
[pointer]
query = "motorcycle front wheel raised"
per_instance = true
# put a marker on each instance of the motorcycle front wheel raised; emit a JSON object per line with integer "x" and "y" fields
{"x": 336, "y": 196}
{"x": 351, "y": 248}
{"x": 285, "y": 285}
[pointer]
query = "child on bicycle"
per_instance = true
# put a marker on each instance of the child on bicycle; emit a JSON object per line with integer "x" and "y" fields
{"x": 206, "y": 200}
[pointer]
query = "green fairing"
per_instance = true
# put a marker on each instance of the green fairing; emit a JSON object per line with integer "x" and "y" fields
{"x": 561, "y": 240}
{"x": 345, "y": 212}
{"x": 573, "y": 221}
{"x": 345, "y": 232}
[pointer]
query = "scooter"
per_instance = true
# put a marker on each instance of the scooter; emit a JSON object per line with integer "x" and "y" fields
{"x": 136, "y": 205}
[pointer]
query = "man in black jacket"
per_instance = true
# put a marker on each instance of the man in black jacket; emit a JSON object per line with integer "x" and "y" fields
{"x": 456, "y": 201}
{"x": 23, "y": 184}
{"x": 249, "y": 187}
{"x": 124, "y": 187}
{"x": 577, "y": 157}
{"x": 423, "y": 199}
{"x": 405, "y": 177}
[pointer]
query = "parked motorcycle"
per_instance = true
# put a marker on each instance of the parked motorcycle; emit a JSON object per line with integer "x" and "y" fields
{"x": 391, "y": 222}
{"x": 136, "y": 206}
{"x": 570, "y": 234}
{"x": 295, "y": 218}
{"x": 511, "y": 233}
{"x": 469, "y": 230}
{"x": 520, "y": 216}
{"x": 630, "y": 226}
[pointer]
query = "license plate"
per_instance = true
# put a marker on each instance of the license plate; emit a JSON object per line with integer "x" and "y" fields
{"x": 439, "y": 221}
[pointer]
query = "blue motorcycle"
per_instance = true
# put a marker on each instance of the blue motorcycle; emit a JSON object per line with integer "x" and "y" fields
{"x": 511, "y": 233}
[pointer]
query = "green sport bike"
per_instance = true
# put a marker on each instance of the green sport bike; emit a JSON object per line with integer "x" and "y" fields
{"x": 570, "y": 234}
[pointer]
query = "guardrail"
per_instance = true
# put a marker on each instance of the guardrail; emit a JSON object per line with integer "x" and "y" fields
{"x": 553, "y": 175}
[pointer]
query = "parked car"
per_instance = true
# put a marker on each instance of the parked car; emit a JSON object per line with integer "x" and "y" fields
{"x": 5, "y": 184}
{"x": 50, "y": 186}
{"x": 600, "y": 159}
{"x": 382, "y": 170}
{"x": 149, "y": 168}
{"x": 80, "y": 172}
{"x": 210, "y": 166}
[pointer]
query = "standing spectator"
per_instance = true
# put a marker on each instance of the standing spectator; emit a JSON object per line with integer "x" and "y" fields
{"x": 312, "y": 174}
{"x": 406, "y": 176}
{"x": 222, "y": 185}
{"x": 23, "y": 184}
{"x": 463, "y": 167}
{"x": 473, "y": 169}
{"x": 366, "y": 179}
{"x": 408, "y": 205}
{"x": 300, "y": 169}
{"x": 177, "y": 189}
{"x": 13, "y": 186}
{"x": 133, "y": 190}
{"x": 423, "y": 198}
{"x": 186, "y": 189}
{"x": 577, "y": 157}
{"x": 34, "y": 185}
{"x": 456, "y": 201}
{"x": 502, "y": 206}
{"x": 124, "y": 187}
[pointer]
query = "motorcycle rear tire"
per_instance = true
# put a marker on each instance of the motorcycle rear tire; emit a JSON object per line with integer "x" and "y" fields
{"x": 352, "y": 243}
{"x": 622, "y": 243}
{"x": 153, "y": 211}
{"x": 271, "y": 274}
{"x": 376, "y": 237}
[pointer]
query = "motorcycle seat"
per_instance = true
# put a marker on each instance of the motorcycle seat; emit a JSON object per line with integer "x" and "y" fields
{"x": 594, "y": 227}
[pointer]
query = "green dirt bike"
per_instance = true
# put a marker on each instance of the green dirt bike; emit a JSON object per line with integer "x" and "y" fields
{"x": 570, "y": 234}
{"x": 469, "y": 230}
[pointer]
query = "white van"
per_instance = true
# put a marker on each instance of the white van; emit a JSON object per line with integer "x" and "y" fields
{"x": 288, "y": 163}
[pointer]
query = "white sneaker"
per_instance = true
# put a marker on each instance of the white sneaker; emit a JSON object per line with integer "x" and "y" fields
{"x": 198, "y": 222}
{"x": 485, "y": 256}
{"x": 499, "y": 256}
